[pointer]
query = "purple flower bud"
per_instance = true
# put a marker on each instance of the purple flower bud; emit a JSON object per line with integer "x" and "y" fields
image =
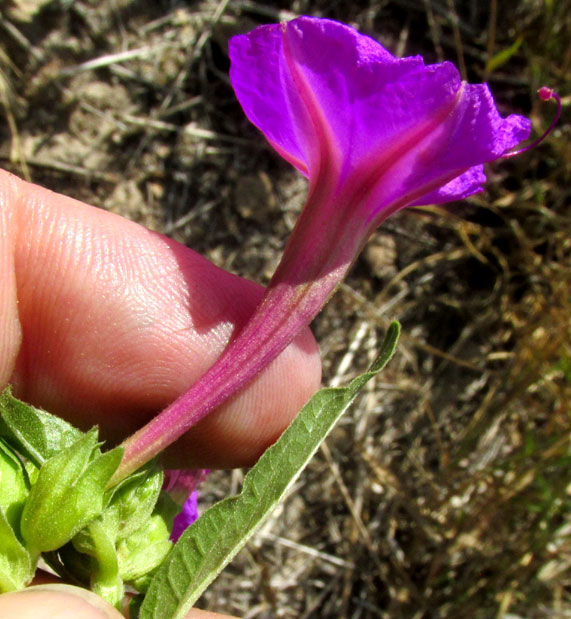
{"x": 182, "y": 486}
{"x": 186, "y": 517}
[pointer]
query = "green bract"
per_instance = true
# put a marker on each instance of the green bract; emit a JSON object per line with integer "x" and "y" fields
{"x": 35, "y": 433}
{"x": 16, "y": 567}
{"x": 68, "y": 494}
{"x": 132, "y": 503}
{"x": 144, "y": 551}
{"x": 54, "y": 501}
{"x": 14, "y": 484}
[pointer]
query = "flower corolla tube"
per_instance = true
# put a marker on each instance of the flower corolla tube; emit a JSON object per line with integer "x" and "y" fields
{"x": 373, "y": 133}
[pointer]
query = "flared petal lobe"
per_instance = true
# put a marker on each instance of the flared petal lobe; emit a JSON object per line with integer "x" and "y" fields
{"x": 397, "y": 130}
{"x": 259, "y": 74}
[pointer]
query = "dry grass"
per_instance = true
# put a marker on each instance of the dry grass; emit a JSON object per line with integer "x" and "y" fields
{"x": 445, "y": 493}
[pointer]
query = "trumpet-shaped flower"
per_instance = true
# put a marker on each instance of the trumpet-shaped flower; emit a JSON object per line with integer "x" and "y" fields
{"x": 380, "y": 132}
{"x": 373, "y": 133}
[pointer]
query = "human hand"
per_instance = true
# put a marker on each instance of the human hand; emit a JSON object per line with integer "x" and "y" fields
{"x": 67, "y": 602}
{"x": 104, "y": 322}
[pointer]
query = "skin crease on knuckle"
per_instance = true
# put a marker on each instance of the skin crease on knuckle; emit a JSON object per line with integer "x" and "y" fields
{"x": 108, "y": 322}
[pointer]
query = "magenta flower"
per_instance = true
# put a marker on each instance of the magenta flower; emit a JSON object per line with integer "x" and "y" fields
{"x": 373, "y": 133}
{"x": 187, "y": 516}
{"x": 377, "y": 131}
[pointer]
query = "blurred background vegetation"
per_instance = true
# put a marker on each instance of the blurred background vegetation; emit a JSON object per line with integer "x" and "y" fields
{"x": 446, "y": 491}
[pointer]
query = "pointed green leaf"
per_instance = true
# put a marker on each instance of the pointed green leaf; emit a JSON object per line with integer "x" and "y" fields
{"x": 13, "y": 485}
{"x": 211, "y": 542}
{"x": 68, "y": 494}
{"x": 132, "y": 503}
{"x": 35, "y": 433}
{"x": 57, "y": 477}
{"x": 503, "y": 56}
{"x": 16, "y": 568}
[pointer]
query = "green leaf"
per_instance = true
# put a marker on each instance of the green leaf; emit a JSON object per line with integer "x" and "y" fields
{"x": 68, "y": 493}
{"x": 13, "y": 485}
{"x": 145, "y": 550}
{"x": 105, "y": 579}
{"x": 211, "y": 542}
{"x": 37, "y": 434}
{"x": 132, "y": 503}
{"x": 16, "y": 568}
{"x": 497, "y": 60}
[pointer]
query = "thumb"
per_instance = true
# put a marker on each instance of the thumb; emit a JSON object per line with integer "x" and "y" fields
{"x": 56, "y": 600}
{"x": 67, "y": 602}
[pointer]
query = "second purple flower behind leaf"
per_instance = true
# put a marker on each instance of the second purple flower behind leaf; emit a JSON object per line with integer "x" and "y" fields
{"x": 182, "y": 485}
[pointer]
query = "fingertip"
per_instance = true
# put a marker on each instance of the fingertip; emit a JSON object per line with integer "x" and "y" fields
{"x": 56, "y": 600}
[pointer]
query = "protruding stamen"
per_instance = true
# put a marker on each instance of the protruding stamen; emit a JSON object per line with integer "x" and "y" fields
{"x": 545, "y": 94}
